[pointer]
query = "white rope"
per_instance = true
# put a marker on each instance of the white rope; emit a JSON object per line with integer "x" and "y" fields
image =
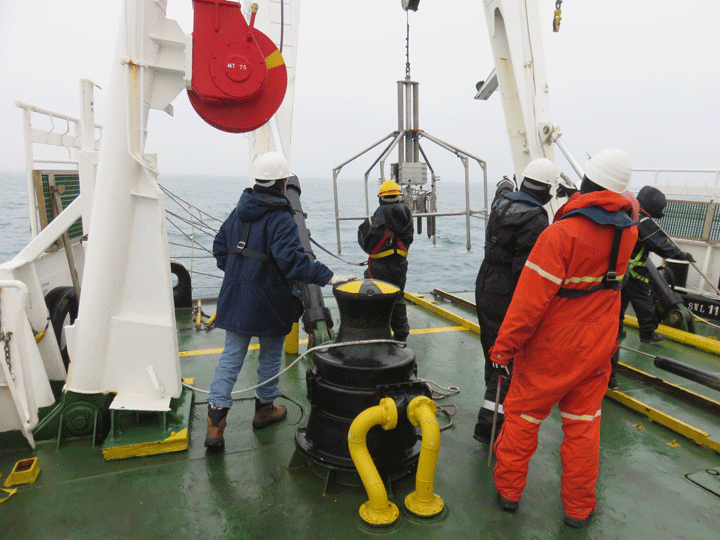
{"x": 705, "y": 321}
{"x": 317, "y": 347}
{"x": 438, "y": 392}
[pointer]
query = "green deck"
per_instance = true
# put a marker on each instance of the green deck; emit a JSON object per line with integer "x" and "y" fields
{"x": 259, "y": 489}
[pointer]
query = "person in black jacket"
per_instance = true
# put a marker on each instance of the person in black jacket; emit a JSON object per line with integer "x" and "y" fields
{"x": 516, "y": 220}
{"x": 386, "y": 239}
{"x": 651, "y": 238}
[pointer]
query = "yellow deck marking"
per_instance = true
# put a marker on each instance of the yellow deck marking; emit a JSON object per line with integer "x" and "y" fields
{"x": 198, "y": 352}
{"x": 414, "y": 332}
{"x": 699, "y": 342}
{"x": 176, "y": 442}
{"x": 678, "y": 426}
{"x": 437, "y": 330}
{"x": 449, "y": 315}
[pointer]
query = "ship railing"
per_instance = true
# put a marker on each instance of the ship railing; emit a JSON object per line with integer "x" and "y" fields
{"x": 692, "y": 216}
{"x": 46, "y": 135}
{"x": 701, "y": 183}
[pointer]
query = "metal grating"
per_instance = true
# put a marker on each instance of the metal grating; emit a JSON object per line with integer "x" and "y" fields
{"x": 684, "y": 219}
{"x": 71, "y": 183}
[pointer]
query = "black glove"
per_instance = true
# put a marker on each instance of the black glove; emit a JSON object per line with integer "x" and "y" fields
{"x": 503, "y": 368}
{"x": 566, "y": 191}
{"x": 687, "y": 257}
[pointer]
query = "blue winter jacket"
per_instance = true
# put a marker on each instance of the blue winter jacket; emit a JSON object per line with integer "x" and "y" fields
{"x": 254, "y": 298}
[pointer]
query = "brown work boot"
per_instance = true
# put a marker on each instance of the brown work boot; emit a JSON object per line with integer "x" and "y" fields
{"x": 267, "y": 413}
{"x": 214, "y": 441}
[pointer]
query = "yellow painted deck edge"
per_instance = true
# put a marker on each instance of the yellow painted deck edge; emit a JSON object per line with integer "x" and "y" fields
{"x": 678, "y": 426}
{"x": 177, "y": 442}
{"x": 699, "y": 342}
{"x": 419, "y": 300}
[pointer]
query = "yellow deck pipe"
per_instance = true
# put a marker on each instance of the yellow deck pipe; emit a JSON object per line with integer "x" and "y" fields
{"x": 378, "y": 510}
{"x": 423, "y": 501}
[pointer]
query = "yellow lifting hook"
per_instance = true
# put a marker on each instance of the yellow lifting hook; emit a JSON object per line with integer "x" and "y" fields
{"x": 557, "y": 17}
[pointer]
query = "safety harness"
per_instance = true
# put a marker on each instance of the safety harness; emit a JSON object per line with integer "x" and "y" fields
{"x": 242, "y": 249}
{"x": 637, "y": 260}
{"x": 390, "y": 244}
{"x": 620, "y": 221}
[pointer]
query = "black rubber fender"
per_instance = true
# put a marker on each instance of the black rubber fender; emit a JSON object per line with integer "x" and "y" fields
{"x": 62, "y": 303}
{"x": 182, "y": 290}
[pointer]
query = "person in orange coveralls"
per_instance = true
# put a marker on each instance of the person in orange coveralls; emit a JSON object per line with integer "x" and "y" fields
{"x": 561, "y": 330}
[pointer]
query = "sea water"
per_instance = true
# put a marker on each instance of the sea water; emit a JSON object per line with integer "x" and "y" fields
{"x": 445, "y": 263}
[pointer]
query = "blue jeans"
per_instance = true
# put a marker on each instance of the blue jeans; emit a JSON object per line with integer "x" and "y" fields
{"x": 231, "y": 362}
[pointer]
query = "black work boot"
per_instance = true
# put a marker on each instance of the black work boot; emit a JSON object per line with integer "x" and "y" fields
{"x": 483, "y": 430}
{"x": 214, "y": 441}
{"x": 576, "y": 523}
{"x": 652, "y": 338}
{"x": 267, "y": 413}
{"x": 507, "y": 504}
{"x": 614, "y": 366}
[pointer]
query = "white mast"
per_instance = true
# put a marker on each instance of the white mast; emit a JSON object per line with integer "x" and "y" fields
{"x": 124, "y": 339}
{"x": 516, "y": 40}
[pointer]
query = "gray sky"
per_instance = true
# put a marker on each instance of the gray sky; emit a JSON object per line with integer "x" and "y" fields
{"x": 641, "y": 75}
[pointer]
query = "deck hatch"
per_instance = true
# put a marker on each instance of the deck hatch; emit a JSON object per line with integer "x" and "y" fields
{"x": 708, "y": 479}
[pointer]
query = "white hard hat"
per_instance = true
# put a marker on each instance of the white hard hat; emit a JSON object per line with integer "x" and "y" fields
{"x": 543, "y": 171}
{"x": 610, "y": 169}
{"x": 269, "y": 167}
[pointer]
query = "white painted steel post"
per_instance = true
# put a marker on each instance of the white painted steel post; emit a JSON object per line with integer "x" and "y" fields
{"x": 125, "y": 328}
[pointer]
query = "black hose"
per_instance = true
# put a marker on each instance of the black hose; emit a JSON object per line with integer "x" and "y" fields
{"x": 706, "y": 378}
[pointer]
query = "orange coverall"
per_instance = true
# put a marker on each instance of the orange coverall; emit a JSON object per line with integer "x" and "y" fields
{"x": 562, "y": 347}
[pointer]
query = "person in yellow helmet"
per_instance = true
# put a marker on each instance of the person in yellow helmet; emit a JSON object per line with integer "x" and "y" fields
{"x": 386, "y": 238}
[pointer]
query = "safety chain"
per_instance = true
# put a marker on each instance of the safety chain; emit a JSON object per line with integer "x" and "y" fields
{"x": 6, "y": 338}
{"x": 557, "y": 18}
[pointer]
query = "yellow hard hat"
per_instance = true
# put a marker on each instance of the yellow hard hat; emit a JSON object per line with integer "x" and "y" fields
{"x": 389, "y": 188}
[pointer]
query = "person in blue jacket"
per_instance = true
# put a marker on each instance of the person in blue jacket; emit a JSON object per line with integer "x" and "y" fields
{"x": 259, "y": 249}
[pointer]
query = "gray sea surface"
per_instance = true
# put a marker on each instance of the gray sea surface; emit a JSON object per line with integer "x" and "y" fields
{"x": 446, "y": 265}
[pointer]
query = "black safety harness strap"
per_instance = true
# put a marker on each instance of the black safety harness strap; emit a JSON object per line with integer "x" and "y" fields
{"x": 244, "y": 251}
{"x": 619, "y": 221}
{"x": 610, "y": 281}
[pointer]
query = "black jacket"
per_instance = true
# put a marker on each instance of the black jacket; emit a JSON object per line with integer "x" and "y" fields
{"x": 389, "y": 230}
{"x": 516, "y": 220}
{"x": 651, "y": 238}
